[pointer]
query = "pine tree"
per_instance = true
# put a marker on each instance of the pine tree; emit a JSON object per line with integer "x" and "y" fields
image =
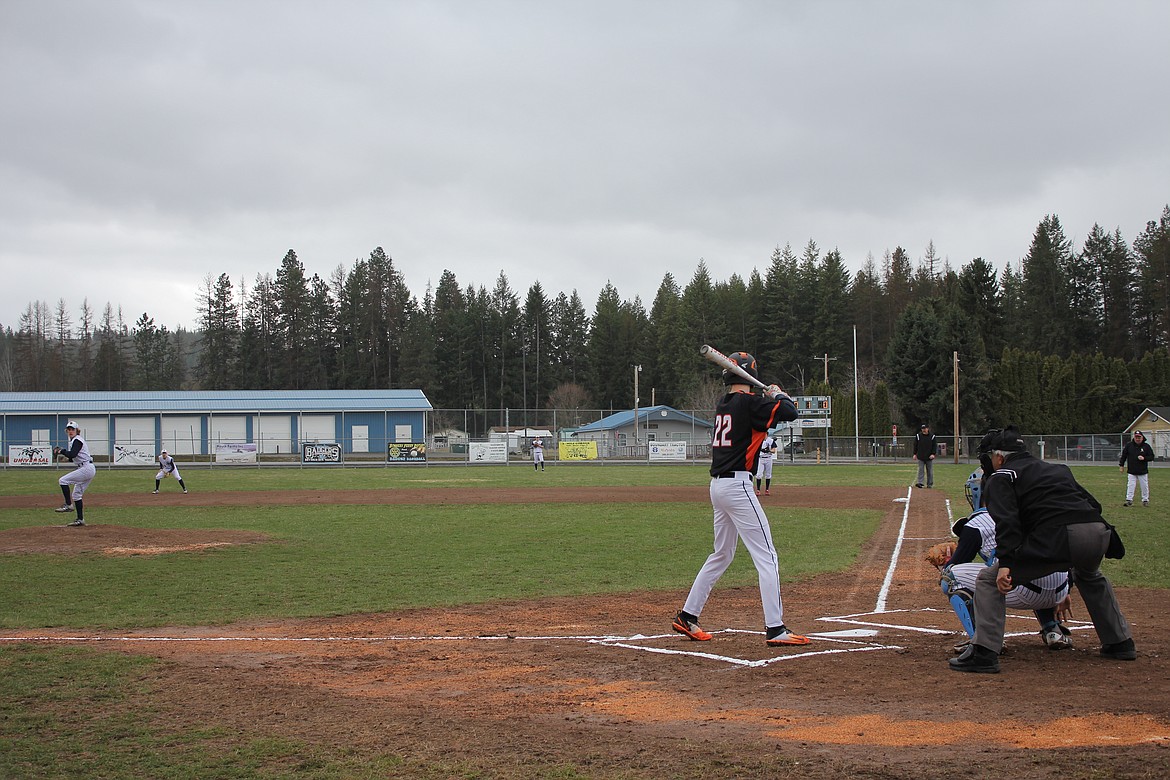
{"x": 1152, "y": 249}
{"x": 220, "y": 329}
{"x": 1046, "y": 289}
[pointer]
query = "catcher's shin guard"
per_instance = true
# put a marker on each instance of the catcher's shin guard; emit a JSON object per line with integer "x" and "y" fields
{"x": 962, "y": 602}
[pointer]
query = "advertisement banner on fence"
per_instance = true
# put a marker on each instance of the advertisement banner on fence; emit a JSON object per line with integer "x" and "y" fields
{"x": 320, "y": 453}
{"x": 132, "y": 456}
{"x": 406, "y": 452}
{"x": 30, "y": 455}
{"x": 577, "y": 450}
{"x": 487, "y": 451}
{"x": 235, "y": 452}
{"x": 668, "y": 450}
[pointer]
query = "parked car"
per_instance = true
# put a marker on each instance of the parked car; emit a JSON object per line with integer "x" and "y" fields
{"x": 1090, "y": 448}
{"x": 794, "y": 447}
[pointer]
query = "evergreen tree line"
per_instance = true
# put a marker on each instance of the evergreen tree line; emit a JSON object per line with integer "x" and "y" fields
{"x": 1069, "y": 340}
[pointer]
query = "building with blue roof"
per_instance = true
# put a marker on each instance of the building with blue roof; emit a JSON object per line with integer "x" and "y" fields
{"x": 652, "y": 423}
{"x": 273, "y": 422}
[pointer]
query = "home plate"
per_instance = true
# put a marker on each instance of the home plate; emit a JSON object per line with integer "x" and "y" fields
{"x": 849, "y": 633}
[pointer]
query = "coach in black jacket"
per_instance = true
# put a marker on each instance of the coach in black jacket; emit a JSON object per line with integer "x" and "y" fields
{"x": 1044, "y": 522}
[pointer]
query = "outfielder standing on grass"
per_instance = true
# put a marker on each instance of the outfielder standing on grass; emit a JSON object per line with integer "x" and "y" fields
{"x": 742, "y": 420}
{"x": 764, "y": 470}
{"x": 537, "y": 454}
{"x": 74, "y": 483}
{"x": 167, "y": 467}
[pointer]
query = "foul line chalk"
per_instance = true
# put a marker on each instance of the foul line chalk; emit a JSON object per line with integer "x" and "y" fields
{"x": 885, "y": 591}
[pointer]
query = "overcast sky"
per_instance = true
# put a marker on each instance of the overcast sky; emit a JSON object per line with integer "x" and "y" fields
{"x": 147, "y": 144}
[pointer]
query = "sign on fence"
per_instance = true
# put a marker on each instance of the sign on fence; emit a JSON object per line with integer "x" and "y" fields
{"x": 407, "y": 452}
{"x": 577, "y": 450}
{"x": 29, "y": 455}
{"x": 235, "y": 452}
{"x": 132, "y": 456}
{"x": 668, "y": 450}
{"x": 495, "y": 451}
{"x": 320, "y": 453}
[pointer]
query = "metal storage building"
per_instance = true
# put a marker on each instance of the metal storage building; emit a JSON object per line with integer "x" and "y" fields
{"x": 275, "y": 422}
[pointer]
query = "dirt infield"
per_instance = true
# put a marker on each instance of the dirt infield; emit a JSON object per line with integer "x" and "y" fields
{"x": 602, "y": 684}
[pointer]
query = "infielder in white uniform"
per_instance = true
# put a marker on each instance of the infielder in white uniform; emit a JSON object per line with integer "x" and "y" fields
{"x": 167, "y": 467}
{"x": 537, "y": 454}
{"x": 764, "y": 469}
{"x": 74, "y": 483}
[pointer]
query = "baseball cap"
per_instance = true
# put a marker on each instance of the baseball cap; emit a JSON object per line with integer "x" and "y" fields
{"x": 1002, "y": 439}
{"x": 1139, "y": 433}
{"x": 162, "y": 452}
{"x": 73, "y": 425}
{"x": 924, "y": 426}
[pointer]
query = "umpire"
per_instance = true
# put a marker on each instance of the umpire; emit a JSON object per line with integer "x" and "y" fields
{"x": 1044, "y": 522}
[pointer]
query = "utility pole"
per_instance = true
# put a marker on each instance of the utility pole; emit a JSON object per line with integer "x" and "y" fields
{"x": 826, "y": 359}
{"x": 956, "y": 407}
{"x": 637, "y": 370}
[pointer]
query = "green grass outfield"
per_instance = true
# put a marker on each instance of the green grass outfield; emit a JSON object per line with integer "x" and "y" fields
{"x": 72, "y": 712}
{"x": 334, "y": 560}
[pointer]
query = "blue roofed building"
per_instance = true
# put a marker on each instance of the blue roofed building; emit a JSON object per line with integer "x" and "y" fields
{"x": 200, "y": 423}
{"x": 623, "y": 434}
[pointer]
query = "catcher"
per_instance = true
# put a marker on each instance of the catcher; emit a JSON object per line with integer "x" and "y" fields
{"x": 1046, "y": 596}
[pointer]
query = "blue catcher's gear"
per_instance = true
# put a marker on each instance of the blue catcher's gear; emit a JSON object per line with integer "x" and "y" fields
{"x": 962, "y": 601}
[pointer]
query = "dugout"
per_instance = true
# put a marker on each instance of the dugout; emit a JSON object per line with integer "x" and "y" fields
{"x": 130, "y": 428}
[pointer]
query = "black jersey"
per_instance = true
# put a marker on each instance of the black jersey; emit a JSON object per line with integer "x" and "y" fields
{"x": 742, "y": 421}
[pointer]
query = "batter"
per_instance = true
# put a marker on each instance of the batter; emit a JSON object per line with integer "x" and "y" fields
{"x": 742, "y": 420}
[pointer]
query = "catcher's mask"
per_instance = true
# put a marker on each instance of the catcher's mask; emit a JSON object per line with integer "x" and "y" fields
{"x": 973, "y": 487}
{"x": 744, "y": 361}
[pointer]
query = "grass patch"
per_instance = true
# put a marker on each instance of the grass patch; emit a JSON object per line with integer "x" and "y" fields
{"x": 347, "y": 559}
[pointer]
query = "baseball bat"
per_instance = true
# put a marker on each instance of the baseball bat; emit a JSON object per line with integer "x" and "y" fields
{"x": 721, "y": 360}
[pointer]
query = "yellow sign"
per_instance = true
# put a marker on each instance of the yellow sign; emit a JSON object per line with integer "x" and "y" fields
{"x": 577, "y": 450}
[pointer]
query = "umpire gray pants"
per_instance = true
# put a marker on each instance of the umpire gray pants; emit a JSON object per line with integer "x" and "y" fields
{"x": 1087, "y": 543}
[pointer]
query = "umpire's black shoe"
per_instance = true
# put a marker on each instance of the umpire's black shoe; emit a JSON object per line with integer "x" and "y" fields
{"x": 1120, "y": 651}
{"x": 976, "y": 659}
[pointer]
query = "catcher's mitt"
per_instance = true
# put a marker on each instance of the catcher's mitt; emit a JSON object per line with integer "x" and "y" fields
{"x": 940, "y": 553}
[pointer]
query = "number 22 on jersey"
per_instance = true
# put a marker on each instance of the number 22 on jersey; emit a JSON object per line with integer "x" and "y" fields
{"x": 722, "y": 431}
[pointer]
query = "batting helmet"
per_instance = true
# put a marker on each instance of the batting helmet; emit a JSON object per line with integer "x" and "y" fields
{"x": 744, "y": 361}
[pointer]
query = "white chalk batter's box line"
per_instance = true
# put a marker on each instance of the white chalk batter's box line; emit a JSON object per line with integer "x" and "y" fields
{"x": 631, "y": 642}
{"x": 845, "y": 641}
{"x": 1073, "y": 625}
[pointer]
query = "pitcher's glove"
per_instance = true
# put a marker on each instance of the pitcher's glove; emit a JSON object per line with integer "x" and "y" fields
{"x": 56, "y": 452}
{"x": 940, "y": 553}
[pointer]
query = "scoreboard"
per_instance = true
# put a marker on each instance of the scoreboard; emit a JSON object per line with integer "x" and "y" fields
{"x": 813, "y": 405}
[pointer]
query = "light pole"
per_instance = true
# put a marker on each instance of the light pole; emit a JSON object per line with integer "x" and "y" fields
{"x": 637, "y": 370}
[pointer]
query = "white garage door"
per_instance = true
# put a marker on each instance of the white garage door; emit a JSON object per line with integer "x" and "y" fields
{"x": 181, "y": 435}
{"x": 135, "y": 433}
{"x": 273, "y": 433}
{"x": 318, "y": 428}
{"x": 227, "y": 428}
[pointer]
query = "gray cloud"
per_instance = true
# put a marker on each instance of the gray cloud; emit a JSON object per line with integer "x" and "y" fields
{"x": 146, "y": 145}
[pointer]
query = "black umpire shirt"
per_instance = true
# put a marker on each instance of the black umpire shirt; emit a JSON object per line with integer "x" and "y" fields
{"x": 1032, "y": 501}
